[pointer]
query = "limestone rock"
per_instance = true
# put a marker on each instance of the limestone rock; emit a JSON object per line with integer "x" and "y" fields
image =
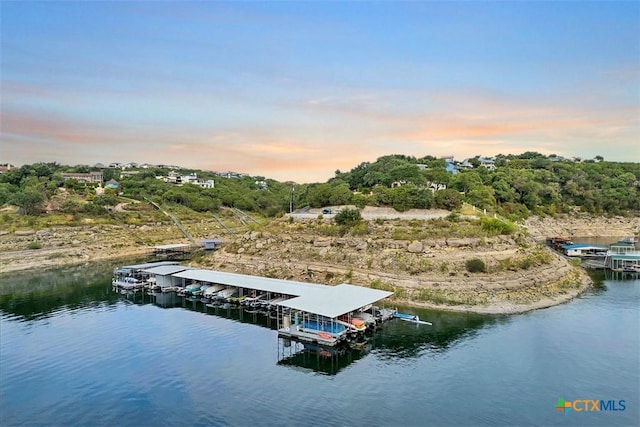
{"x": 362, "y": 246}
{"x": 415, "y": 247}
{"x": 459, "y": 243}
{"x": 44, "y": 233}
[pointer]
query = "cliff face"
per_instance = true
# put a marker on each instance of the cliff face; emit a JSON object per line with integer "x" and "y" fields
{"x": 583, "y": 225}
{"x": 427, "y": 271}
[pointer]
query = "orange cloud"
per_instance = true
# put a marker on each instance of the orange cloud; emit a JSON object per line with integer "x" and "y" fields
{"x": 47, "y": 127}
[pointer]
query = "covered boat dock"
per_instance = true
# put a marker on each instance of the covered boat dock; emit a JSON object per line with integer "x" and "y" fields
{"x": 308, "y": 312}
{"x": 325, "y": 317}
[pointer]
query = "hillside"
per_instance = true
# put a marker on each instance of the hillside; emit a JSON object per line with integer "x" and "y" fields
{"x": 463, "y": 241}
{"x": 424, "y": 262}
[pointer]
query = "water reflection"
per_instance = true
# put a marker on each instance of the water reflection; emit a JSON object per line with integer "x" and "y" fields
{"x": 324, "y": 360}
{"x": 35, "y": 295}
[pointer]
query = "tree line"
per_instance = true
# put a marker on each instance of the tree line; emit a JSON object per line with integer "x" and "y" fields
{"x": 516, "y": 186}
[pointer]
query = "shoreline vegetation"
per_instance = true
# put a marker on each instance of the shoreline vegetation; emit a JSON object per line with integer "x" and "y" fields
{"x": 427, "y": 258}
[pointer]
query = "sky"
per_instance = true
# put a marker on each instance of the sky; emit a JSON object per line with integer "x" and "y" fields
{"x": 297, "y": 90}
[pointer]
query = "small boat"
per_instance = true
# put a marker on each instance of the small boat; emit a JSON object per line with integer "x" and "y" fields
{"x": 237, "y": 300}
{"x": 127, "y": 283}
{"x": 353, "y": 324}
{"x": 414, "y": 318}
{"x": 212, "y": 290}
{"x": 226, "y": 293}
{"x": 368, "y": 318}
{"x": 253, "y": 300}
{"x": 193, "y": 288}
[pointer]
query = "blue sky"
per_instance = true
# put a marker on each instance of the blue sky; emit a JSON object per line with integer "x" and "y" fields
{"x": 296, "y": 90}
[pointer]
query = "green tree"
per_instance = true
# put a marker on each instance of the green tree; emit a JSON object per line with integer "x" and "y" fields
{"x": 348, "y": 217}
{"x": 29, "y": 201}
{"x": 448, "y": 199}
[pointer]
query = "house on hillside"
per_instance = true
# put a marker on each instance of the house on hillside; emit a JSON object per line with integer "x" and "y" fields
{"x": 94, "y": 177}
{"x": 451, "y": 167}
{"x": 488, "y": 162}
{"x": 209, "y": 183}
{"x": 6, "y": 167}
{"x": 112, "y": 183}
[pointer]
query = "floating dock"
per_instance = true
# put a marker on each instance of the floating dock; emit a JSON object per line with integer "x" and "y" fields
{"x": 308, "y": 312}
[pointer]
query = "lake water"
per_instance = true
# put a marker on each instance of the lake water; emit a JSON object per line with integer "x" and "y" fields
{"x": 74, "y": 352}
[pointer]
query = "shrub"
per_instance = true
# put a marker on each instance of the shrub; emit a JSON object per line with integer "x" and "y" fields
{"x": 476, "y": 265}
{"x": 34, "y": 245}
{"x": 360, "y": 229}
{"x": 495, "y": 226}
{"x": 526, "y": 263}
{"x": 348, "y": 216}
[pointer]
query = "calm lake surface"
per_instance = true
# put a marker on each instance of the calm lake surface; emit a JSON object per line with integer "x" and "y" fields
{"x": 74, "y": 352}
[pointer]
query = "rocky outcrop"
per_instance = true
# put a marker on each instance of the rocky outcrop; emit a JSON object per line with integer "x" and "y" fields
{"x": 415, "y": 247}
{"x": 579, "y": 224}
{"x": 429, "y": 272}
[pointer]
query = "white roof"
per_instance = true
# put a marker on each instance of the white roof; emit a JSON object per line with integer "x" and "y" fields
{"x": 336, "y": 300}
{"x": 165, "y": 270}
{"x": 171, "y": 246}
{"x": 149, "y": 265}
{"x": 328, "y": 301}
{"x": 285, "y": 287}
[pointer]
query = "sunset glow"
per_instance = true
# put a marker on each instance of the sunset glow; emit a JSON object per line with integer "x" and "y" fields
{"x": 294, "y": 91}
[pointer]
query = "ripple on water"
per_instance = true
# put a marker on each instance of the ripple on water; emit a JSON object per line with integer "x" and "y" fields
{"x": 123, "y": 363}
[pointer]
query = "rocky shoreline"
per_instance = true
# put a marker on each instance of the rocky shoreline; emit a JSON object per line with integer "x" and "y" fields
{"x": 421, "y": 271}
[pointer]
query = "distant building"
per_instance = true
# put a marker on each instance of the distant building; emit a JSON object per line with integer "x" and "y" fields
{"x": 466, "y": 164}
{"x": 488, "y": 162}
{"x": 230, "y": 174}
{"x": 94, "y": 177}
{"x": 209, "y": 183}
{"x": 434, "y": 186}
{"x": 6, "y": 167}
{"x": 175, "y": 178}
{"x": 451, "y": 167}
{"x": 112, "y": 183}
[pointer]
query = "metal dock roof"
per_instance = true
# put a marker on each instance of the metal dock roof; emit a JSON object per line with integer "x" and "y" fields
{"x": 324, "y": 300}
{"x": 149, "y": 265}
{"x": 584, "y": 246}
{"x": 336, "y": 300}
{"x": 164, "y": 270}
{"x": 285, "y": 287}
{"x": 171, "y": 246}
